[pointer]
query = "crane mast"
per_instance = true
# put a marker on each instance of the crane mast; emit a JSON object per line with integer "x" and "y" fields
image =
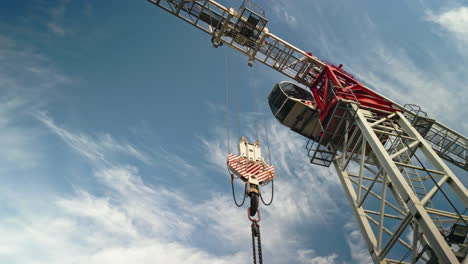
{"x": 388, "y": 158}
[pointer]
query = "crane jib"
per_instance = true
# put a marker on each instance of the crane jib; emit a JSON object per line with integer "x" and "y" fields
{"x": 303, "y": 67}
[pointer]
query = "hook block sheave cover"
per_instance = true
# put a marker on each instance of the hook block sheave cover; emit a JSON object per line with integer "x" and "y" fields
{"x": 250, "y": 163}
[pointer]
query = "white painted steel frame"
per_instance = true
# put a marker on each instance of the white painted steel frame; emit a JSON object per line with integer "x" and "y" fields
{"x": 268, "y": 49}
{"x": 384, "y": 164}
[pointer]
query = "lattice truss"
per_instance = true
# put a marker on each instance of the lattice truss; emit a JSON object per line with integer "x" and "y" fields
{"x": 396, "y": 184}
{"x": 231, "y": 27}
{"x": 448, "y": 144}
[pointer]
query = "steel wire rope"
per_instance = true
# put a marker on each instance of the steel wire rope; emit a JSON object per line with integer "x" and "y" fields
{"x": 464, "y": 211}
{"x": 228, "y": 128}
{"x": 256, "y": 110}
{"x": 254, "y": 254}
{"x": 255, "y": 229}
{"x": 272, "y": 194}
{"x": 234, "y": 194}
{"x": 227, "y": 102}
{"x": 266, "y": 136}
{"x": 254, "y": 99}
{"x": 226, "y": 60}
{"x": 269, "y": 161}
{"x": 408, "y": 252}
{"x": 236, "y": 103}
{"x": 413, "y": 153}
{"x": 236, "y": 98}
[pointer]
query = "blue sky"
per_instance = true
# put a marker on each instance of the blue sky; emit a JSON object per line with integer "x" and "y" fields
{"x": 113, "y": 128}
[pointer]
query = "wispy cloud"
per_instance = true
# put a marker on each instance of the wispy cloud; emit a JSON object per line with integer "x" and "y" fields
{"x": 56, "y": 28}
{"x": 26, "y": 73}
{"x": 94, "y": 151}
{"x": 454, "y": 21}
{"x": 174, "y": 162}
{"x": 130, "y": 210}
{"x": 26, "y": 80}
{"x": 92, "y": 230}
{"x": 56, "y": 18}
{"x": 283, "y": 13}
{"x": 310, "y": 257}
{"x": 357, "y": 246}
{"x": 17, "y": 143}
{"x": 393, "y": 73}
{"x": 129, "y": 221}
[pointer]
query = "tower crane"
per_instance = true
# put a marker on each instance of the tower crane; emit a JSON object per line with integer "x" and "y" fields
{"x": 389, "y": 158}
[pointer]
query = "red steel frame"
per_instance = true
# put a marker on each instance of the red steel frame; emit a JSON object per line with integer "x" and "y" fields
{"x": 345, "y": 87}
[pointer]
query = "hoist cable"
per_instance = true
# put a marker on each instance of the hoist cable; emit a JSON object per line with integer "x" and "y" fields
{"x": 254, "y": 98}
{"x": 464, "y": 211}
{"x": 255, "y": 228}
{"x": 413, "y": 153}
{"x": 227, "y": 102}
{"x": 409, "y": 249}
{"x": 236, "y": 89}
{"x": 259, "y": 245}
{"x": 256, "y": 108}
{"x": 234, "y": 194}
{"x": 254, "y": 91}
{"x": 267, "y": 138}
{"x": 272, "y": 194}
{"x": 254, "y": 254}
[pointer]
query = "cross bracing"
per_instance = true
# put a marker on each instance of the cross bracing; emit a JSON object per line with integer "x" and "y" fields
{"x": 394, "y": 180}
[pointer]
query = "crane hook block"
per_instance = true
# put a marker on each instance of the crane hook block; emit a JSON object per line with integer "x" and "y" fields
{"x": 249, "y": 165}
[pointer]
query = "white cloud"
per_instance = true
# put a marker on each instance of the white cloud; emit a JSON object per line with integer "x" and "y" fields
{"x": 129, "y": 210}
{"x": 391, "y": 71}
{"x": 129, "y": 221}
{"x": 27, "y": 74}
{"x": 156, "y": 252}
{"x": 56, "y": 28}
{"x": 56, "y": 18}
{"x": 308, "y": 256}
{"x": 63, "y": 237}
{"x": 95, "y": 151}
{"x": 283, "y": 12}
{"x": 356, "y": 243}
{"x": 175, "y": 163}
{"x": 454, "y": 21}
{"x": 16, "y": 142}
{"x": 226, "y": 221}
{"x": 26, "y": 78}
{"x": 106, "y": 216}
